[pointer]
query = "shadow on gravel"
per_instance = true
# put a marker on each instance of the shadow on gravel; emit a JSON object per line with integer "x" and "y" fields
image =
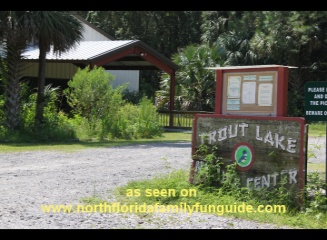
{"x": 99, "y": 144}
{"x": 157, "y": 145}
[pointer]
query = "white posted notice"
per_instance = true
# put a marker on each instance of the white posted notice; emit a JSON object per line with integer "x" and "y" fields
{"x": 234, "y": 87}
{"x": 265, "y": 94}
{"x": 248, "y": 92}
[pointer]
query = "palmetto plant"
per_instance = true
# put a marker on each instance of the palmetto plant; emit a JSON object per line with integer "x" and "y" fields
{"x": 195, "y": 83}
{"x": 237, "y": 49}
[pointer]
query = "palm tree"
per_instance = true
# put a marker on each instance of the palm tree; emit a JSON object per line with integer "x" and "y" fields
{"x": 237, "y": 49}
{"x": 195, "y": 83}
{"x": 49, "y": 30}
{"x": 14, "y": 41}
{"x": 56, "y": 31}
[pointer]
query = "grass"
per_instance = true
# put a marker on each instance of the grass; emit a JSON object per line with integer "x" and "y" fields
{"x": 75, "y": 146}
{"x": 314, "y": 130}
{"x": 317, "y": 129}
{"x": 320, "y": 167}
{"x": 144, "y": 192}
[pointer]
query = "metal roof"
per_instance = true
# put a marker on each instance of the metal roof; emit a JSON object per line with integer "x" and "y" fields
{"x": 248, "y": 66}
{"x": 115, "y": 54}
{"x": 83, "y": 51}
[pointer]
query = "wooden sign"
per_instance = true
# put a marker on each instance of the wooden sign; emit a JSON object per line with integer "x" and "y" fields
{"x": 252, "y": 90}
{"x": 265, "y": 149}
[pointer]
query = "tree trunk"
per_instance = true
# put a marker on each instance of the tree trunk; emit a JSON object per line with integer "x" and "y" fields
{"x": 12, "y": 104}
{"x": 14, "y": 68}
{"x": 40, "y": 88}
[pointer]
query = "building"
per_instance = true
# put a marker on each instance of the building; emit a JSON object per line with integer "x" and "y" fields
{"x": 122, "y": 58}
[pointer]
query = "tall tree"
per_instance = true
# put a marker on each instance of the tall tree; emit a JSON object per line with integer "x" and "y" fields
{"x": 13, "y": 40}
{"x": 231, "y": 32}
{"x": 158, "y": 29}
{"x": 294, "y": 39}
{"x": 56, "y": 31}
{"x": 213, "y": 24}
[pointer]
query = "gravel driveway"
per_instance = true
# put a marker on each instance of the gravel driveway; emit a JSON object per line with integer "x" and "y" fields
{"x": 317, "y": 149}
{"x": 29, "y": 179}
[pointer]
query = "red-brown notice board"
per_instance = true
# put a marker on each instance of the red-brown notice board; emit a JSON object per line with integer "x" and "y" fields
{"x": 252, "y": 90}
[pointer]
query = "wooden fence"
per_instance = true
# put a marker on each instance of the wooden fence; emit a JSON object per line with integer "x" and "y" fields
{"x": 181, "y": 119}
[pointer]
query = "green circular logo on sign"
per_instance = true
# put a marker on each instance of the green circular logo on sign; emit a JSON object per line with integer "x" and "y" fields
{"x": 243, "y": 156}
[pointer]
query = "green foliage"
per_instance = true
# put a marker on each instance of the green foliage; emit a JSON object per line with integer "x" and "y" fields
{"x": 213, "y": 175}
{"x": 56, "y": 124}
{"x": 175, "y": 180}
{"x": 295, "y": 106}
{"x": 85, "y": 129}
{"x": 317, "y": 129}
{"x": 230, "y": 180}
{"x": 312, "y": 149}
{"x": 318, "y": 126}
{"x": 55, "y": 31}
{"x": 2, "y": 113}
{"x": 103, "y": 113}
{"x": 100, "y": 111}
{"x": 195, "y": 84}
{"x": 52, "y": 31}
{"x": 124, "y": 125}
{"x": 136, "y": 121}
{"x": 133, "y": 97}
{"x": 91, "y": 95}
{"x": 315, "y": 201}
{"x": 156, "y": 28}
{"x": 209, "y": 173}
{"x": 148, "y": 120}
{"x": 280, "y": 195}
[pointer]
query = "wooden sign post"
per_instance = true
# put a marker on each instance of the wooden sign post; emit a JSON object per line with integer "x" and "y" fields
{"x": 250, "y": 127}
{"x": 264, "y": 148}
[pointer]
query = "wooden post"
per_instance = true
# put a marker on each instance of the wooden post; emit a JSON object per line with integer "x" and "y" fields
{"x": 172, "y": 100}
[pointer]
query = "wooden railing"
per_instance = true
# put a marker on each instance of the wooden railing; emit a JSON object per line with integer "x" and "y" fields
{"x": 181, "y": 119}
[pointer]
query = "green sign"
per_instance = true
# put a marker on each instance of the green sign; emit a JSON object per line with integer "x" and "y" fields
{"x": 315, "y": 103}
{"x": 243, "y": 156}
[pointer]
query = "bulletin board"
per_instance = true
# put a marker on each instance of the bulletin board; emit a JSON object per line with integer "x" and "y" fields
{"x": 250, "y": 92}
{"x": 257, "y": 90}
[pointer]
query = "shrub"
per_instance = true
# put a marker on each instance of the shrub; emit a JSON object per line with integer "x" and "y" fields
{"x": 91, "y": 95}
{"x": 56, "y": 125}
{"x": 148, "y": 121}
{"x": 136, "y": 121}
{"x": 124, "y": 125}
